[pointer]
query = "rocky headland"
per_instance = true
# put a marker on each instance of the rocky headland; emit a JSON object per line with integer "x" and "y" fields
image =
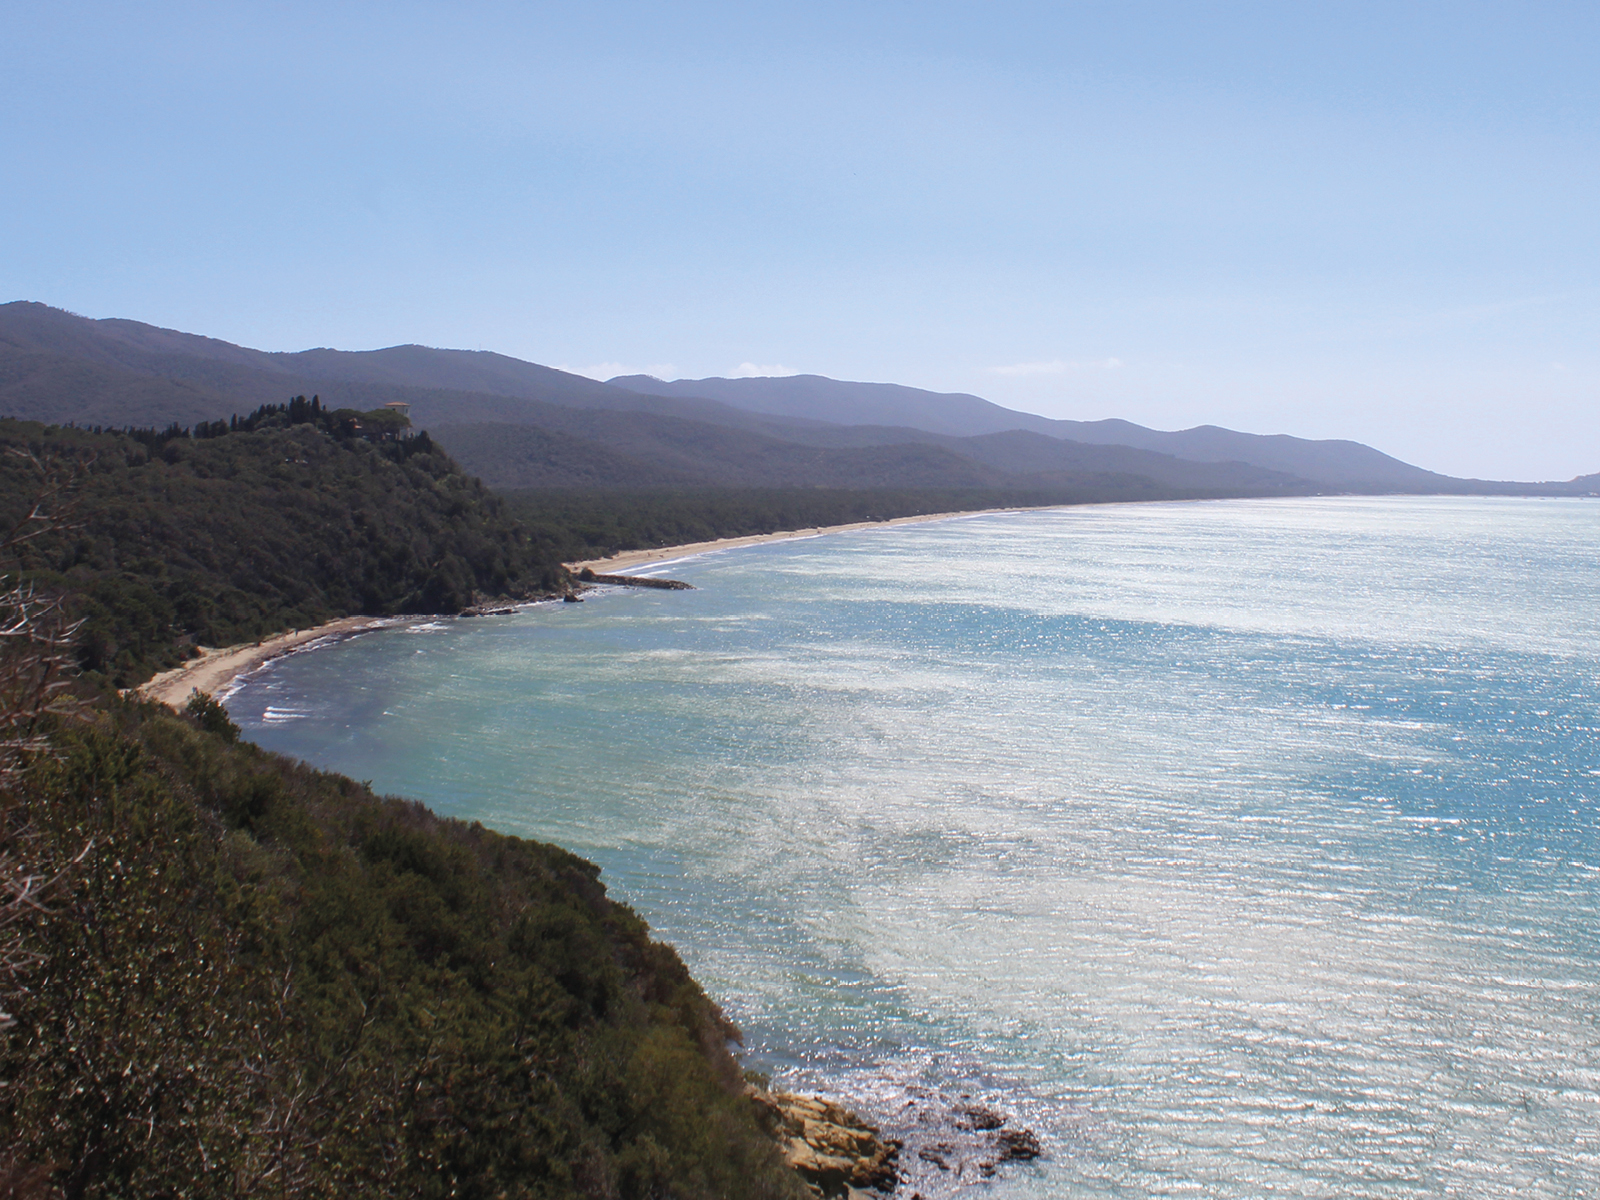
{"x": 932, "y": 1145}
{"x": 830, "y": 1147}
{"x": 588, "y": 575}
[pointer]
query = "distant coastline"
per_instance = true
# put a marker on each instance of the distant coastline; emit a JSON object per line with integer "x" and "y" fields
{"x": 626, "y": 559}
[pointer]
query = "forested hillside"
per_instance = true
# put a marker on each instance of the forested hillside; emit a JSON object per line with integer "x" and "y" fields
{"x": 669, "y": 450}
{"x": 630, "y": 451}
{"x": 171, "y": 541}
{"x": 249, "y": 978}
{"x": 226, "y": 974}
{"x": 593, "y": 524}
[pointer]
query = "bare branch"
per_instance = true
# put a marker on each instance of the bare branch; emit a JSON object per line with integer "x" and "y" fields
{"x": 35, "y": 652}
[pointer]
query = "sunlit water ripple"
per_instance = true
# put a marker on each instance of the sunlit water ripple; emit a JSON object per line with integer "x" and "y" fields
{"x": 1239, "y": 848}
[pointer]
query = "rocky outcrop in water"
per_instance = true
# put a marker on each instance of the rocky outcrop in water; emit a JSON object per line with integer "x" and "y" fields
{"x": 965, "y": 1143}
{"x": 951, "y": 1142}
{"x": 831, "y": 1148}
{"x": 588, "y": 575}
{"x": 941, "y": 1145}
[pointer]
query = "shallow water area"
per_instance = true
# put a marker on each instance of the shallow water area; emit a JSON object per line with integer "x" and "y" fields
{"x": 1236, "y": 848}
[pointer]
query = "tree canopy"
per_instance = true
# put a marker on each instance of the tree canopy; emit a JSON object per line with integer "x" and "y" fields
{"x": 175, "y": 540}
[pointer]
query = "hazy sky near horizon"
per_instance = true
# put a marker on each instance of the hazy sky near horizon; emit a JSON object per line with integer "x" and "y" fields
{"x": 1365, "y": 220}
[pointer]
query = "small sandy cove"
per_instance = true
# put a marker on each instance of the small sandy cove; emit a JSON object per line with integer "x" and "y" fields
{"x": 215, "y": 670}
{"x": 639, "y": 558}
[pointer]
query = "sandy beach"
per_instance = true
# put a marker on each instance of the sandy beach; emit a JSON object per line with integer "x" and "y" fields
{"x": 628, "y": 559}
{"x": 215, "y": 670}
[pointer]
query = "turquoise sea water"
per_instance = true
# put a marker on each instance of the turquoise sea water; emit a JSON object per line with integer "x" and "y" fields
{"x": 1239, "y": 848}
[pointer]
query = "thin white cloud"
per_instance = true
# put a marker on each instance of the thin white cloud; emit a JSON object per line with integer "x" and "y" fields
{"x": 1057, "y": 366}
{"x": 1054, "y": 367}
{"x": 753, "y": 370}
{"x": 610, "y": 370}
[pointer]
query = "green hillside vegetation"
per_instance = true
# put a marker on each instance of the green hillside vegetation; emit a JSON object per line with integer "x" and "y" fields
{"x": 257, "y": 979}
{"x": 223, "y": 973}
{"x": 274, "y": 521}
{"x": 693, "y": 452}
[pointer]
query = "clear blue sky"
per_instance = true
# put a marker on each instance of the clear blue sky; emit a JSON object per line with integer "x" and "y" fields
{"x": 1375, "y": 221}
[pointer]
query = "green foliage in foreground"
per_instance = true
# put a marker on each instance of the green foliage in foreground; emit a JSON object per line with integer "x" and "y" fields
{"x": 263, "y": 980}
{"x": 584, "y": 525}
{"x": 175, "y": 541}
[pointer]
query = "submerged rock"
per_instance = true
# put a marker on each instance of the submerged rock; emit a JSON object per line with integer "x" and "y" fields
{"x": 976, "y": 1117}
{"x": 1018, "y": 1145}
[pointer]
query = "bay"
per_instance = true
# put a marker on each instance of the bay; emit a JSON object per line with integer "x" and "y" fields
{"x": 1237, "y": 848}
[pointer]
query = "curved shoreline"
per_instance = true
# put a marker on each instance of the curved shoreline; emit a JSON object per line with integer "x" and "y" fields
{"x": 216, "y": 670}
{"x": 625, "y": 559}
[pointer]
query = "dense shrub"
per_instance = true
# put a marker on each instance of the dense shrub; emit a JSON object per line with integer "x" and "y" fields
{"x": 266, "y": 981}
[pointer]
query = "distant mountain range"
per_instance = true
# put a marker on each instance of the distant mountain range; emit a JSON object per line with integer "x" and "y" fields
{"x": 1340, "y": 463}
{"x": 517, "y": 424}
